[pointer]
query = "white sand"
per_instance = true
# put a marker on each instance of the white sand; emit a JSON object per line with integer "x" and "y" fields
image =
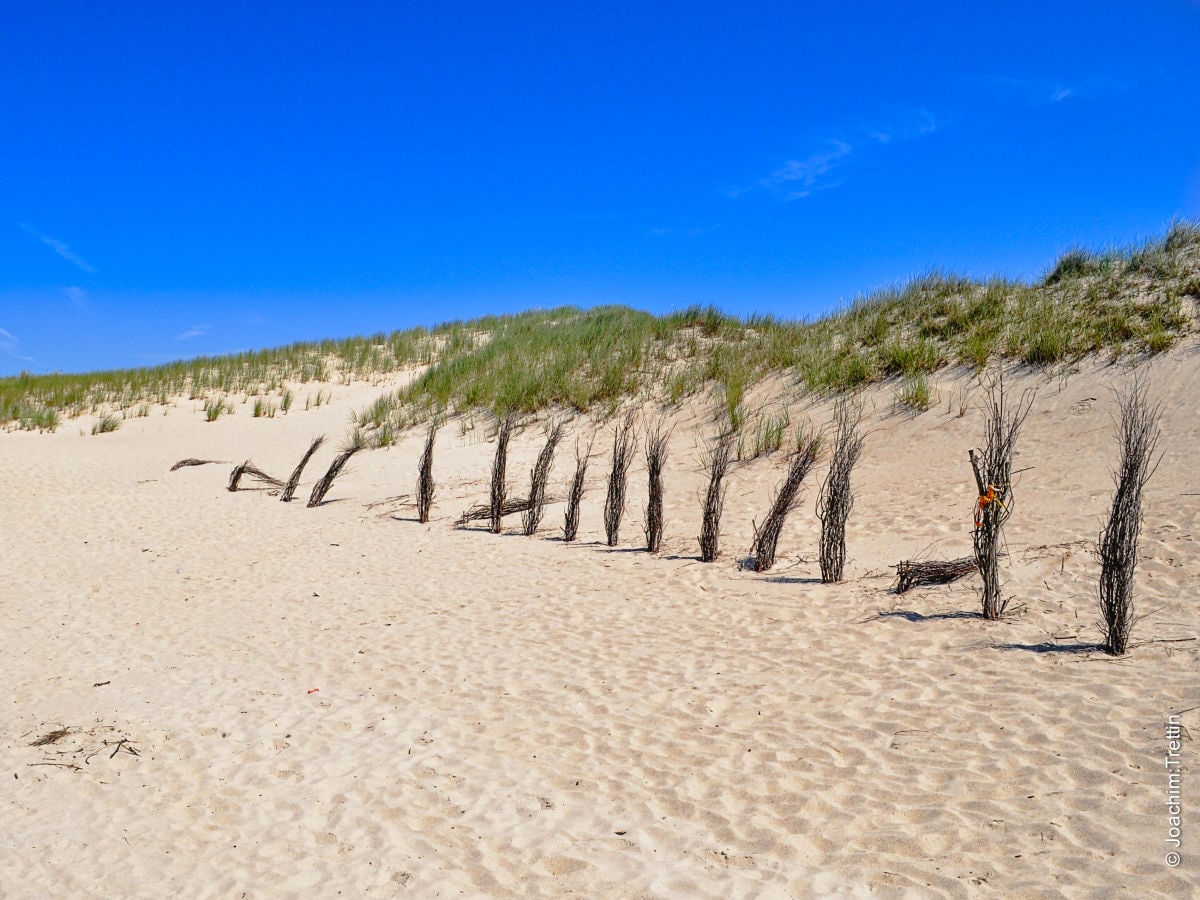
{"x": 341, "y": 701}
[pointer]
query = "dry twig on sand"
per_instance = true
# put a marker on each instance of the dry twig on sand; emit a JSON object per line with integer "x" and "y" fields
{"x": 294, "y": 481}
{"x": 1137, "y": 434}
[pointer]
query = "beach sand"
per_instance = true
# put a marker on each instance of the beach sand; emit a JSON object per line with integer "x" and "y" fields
{"x": 265, "y": 700}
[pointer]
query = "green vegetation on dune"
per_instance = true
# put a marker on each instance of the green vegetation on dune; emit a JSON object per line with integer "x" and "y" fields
{"x": 1138, "y": 301}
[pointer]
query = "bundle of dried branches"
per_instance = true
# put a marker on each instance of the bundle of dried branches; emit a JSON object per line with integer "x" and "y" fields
{"x": 658, "y": 436}
{"x": 194, "y": 462}
{"x": 425, "y": 485}
{"x": 717, "y": 461}
{"x": 248, "y": 468}
{"x": 624, "y": 446}
{"x": 538, "y": 478}
{"x": 993, "y": 477}
{"x": 499, "y": 471}
{"x": 787, "y": 498}
{"x": 913, "y": 573}
{"x": 294, "y": 481}
{"x": 1137, "y": 434}
{"x": 512, "y": 506}
{"x": 575, "y": 493}
{"x": 833, "y": 508}
{"x": 356, "y": 443}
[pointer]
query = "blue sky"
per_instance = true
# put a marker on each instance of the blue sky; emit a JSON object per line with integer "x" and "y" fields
{"x": 178, "y": 180}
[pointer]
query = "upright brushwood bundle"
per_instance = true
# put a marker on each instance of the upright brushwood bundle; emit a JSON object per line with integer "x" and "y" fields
{"x": 624, "y": 446}
{"x": 787, "y": 498}
{"x": 354, "y": 444}
{"x": 657, "y": 438}
{"x": 837, "y": 499}
{"x": 1137, "y": 433}
{"x": 717, "y": 461}
{"x": 294, "y": 481}
{"x": 993, "y": 477}
{"x": 575, "y": 493}
{"x": 538, "y": 478}
{"x": 500, "y": 471}
{"x": 425, "y": 485}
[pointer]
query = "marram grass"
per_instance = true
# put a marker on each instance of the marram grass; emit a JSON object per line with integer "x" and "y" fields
{"x": 1140, "y": 300}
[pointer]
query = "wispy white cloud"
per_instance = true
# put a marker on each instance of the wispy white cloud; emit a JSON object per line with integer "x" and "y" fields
{"x": 9, "y": 343}
{"x": 801, "y": 177}
{"x": 1048, "y": 91}
{"x": 193, "y": 332}
{"x": 78, "y": 297}
{"x": 62, "y": 249}
{"x": 798, "y": 178}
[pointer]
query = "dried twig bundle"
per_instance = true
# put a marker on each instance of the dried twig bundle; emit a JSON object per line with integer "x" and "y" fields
{"x": 787, "y": 498}
{"x": 294, "y": 481}
{"x": 425, "y": 485}
{"x": 538, "y": 478}
{"x": 837, "y": 499}
{"x": 993, "y": 477}
{"x": 718, "y": 459}
{"x": 575, "y": 493}
{"x": 191, "y": 461}
{"x": 499, "y": 471}
{"x": 624, "y": 446}
{"x": 1137, "y": 433}
{"x": 512, "y": 506}
{"x": 913, "y": 573}
{"x": 356, "y": 443}
{"x": 248, "y": 468}
{"x": 657, "y": 438}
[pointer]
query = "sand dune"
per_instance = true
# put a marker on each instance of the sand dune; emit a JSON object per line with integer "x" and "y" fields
{"x": 264, "y": 700}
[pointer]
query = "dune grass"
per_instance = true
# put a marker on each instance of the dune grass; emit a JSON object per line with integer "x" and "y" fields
{"x": 1139, "y": 300}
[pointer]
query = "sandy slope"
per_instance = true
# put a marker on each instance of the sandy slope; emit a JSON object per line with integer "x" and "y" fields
{"x": 341, "y": 701}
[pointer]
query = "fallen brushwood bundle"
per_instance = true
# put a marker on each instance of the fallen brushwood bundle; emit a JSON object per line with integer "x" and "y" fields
{"x": 248, "y": 468}
{"x": 194, "y": 462}
{"x": 914, "y": 573}
{"x": 512, "y": 505}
